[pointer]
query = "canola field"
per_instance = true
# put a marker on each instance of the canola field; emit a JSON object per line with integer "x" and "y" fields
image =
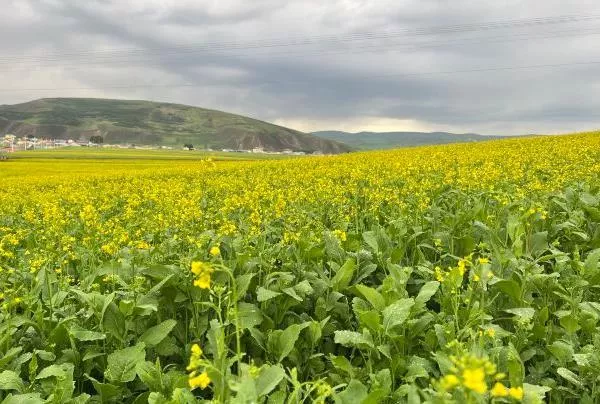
{"x": 464, "y": 273}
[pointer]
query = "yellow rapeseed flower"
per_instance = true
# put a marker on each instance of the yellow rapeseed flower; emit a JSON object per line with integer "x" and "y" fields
{"x": 474, "y": 379}
{"x": 448, "y": 382}
{"x": 499, "y": 390}
{"x": 214, "y": 251}
{"x": 203, "y": 271}
{"x": 202, "y": 380}
{"x": 516, "y": 393}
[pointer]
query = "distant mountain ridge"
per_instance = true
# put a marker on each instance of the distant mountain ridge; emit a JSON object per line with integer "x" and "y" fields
{"x": 152, "y": 123}
{"x": 388, "y": 140}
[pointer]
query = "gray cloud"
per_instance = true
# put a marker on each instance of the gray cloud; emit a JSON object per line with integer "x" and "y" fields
{"x": 291, "y": 62}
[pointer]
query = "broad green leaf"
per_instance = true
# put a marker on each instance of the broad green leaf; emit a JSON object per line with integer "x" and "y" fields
{"x": 591, "y": 262}
{"x": 29, "y": 398}
{"x": 154, "y": 335}
{"x": 539, "y": 242}
{"x": 262, "y": 294}
{"x": 242, "y": 283}
{"x": 524, "y": 313}
{"x": 354, "y": 393}
{"x": 510, "y": 288}
{"x": 370, "y": 238}
{"x": 292, "y": 293}
{"x": 397, "y": 313}
{"x": 62, "y": 385}
{"x": 344, "y": 275}
{"x": 114, "y": 322}
{"x": 11, "y": 354}
{"x": 342, "y": 363}
{"x": 10, "y": 380}
{"x": 121, "y": 364}
{"x": 304, "y": 288}
{"x": 45, "y": 355}
{"x": 150, "y": 375}
{"x": 563, "y": 351}
{"x": 533, "y": 394}
{"x": 569, "y": 376}
{"x": 570, "y": 324}
{"x": 249, "y": 315}
{"x": 281, "y": 342}
{"x": 353, "y": 339}
{"x": 372, "y": 296}
{"x": 107, "y": 392}
{"x": 157, "y": 398}
{"x": 426, "y": 292}
{"x": 269, "y": 378}
{"x": 82, "y": 334}
{"x": 59, "y": 371}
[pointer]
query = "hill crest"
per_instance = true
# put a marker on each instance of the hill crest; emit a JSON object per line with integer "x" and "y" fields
{"x": 153, "y": 123}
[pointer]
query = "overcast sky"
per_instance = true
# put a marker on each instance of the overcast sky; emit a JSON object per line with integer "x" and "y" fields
{"x": 460, "y": 65}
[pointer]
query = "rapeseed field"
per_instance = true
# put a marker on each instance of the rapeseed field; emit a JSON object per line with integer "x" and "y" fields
{"x": 464, "y": 273}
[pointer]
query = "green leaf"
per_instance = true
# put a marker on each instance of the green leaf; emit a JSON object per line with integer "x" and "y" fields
{"x": 82, "y": 334}
{"x": 353, "y": 339}
{"x": 53, "y": 371}
{"x": 45, "y": 355}
{"x": 370, "y": 238}
{"x": 62, "y": 385}
{"x": 154, "y": 335}
{"x": 355, "y": 393}
{"x": 533, "y": 394}
{"x": 11, "y": 354}
{"x": 342, "y": 363}
{"x": 150, "y": 374}
{"x": 426, "y": 292}
{"x": 249, "y": 315}
{"x": 10, "y": 380}
{"x": 281, "y": 342}
{"x": 591, "y": 262}
{"x": 107, "y": 392}
{"x": 524, "y": 313}
{"x": 114, "y": 322}
{"x": 242, "y": 283}
{"x": 29, "y": 398}
{"x": 121, "y": 364}
{"x": 563, "y": 351}
{"x": 569, "y": 376}
{"x": 510, "y": 288}
{"x": 372, "y": 296}
{"x": 269, "y": 378}
{"x": 397, "y": 313}
{"x": 539, "y": 242}
{"x": 262, "y": 294}
{"x": 570, "y": 324}
{"x": 344, "y": 275}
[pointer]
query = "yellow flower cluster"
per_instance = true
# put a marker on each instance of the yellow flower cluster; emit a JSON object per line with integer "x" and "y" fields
{"x": 196, "y": 379}
{"x": 203, "y": 272}
{"x": 473, "y": 373}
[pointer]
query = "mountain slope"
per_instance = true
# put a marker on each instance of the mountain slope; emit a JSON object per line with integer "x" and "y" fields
{"x": 145, "y": 122}
{"x": 388, "y": 140}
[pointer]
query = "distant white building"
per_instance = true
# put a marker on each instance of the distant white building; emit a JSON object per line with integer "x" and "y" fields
{"x": 258, "y": 150}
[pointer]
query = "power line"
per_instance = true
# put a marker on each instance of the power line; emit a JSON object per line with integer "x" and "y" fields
{"x": 491, "y": 69}
{"x": 330, "y": 39}
{"x": 394, "y": 47}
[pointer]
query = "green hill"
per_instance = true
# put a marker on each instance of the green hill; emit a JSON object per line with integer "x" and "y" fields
{"x": 151, "y": 123}
{"x": 389, "y": 140}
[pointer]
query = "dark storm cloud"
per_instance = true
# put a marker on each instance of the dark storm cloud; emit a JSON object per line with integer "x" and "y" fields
{"x": 291, "y": 61}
